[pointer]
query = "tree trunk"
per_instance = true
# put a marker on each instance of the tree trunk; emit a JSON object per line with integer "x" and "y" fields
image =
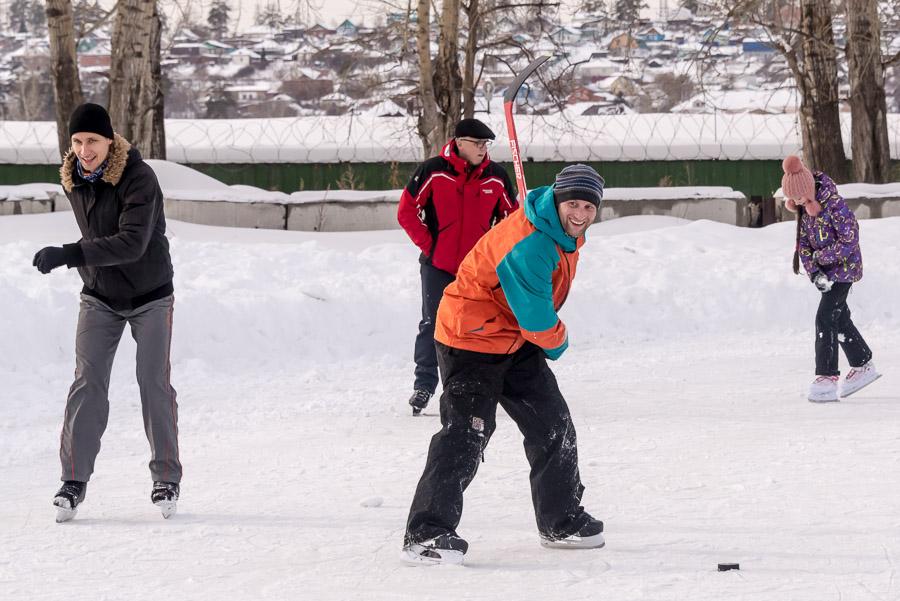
{"x": 129, "y": 75}
{"x": 429, "y": 124}
{"x": 157, "y": 98}
{"x": 67, "y": 95}
{"x": 447, "y": 76}
{"x": 473, "y": 12}
{"x": 823, "y": 145}
{"x": 869, "y": 133}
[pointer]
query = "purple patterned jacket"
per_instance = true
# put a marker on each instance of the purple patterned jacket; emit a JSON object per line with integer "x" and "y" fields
{"x": 833, "y": 236}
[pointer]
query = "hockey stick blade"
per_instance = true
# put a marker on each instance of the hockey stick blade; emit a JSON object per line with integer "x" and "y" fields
{"x": 509, "y": 100}
{"x": 513, "y": 90}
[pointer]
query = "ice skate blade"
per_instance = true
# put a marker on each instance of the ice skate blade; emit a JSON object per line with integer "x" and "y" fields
{"x": 844, "y": 395}
{"x": 823, "y": 399}
{"x": 575, "y": 542}
{"x": 410, "y": 557}
{"x": 168, "y": 508}
{"x": 64, "y": 514}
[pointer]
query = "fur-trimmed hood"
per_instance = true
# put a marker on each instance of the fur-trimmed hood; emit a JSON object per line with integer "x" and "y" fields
{"x": 118, "y": 159}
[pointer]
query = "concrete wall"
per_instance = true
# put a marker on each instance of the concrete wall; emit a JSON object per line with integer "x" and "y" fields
{"x": 873, "y": 208}
{"x": 25, "y": 207}
{"x": 261, "y": 215}
{"x": 342, "y": 216}
{"x": 724, "y": 210}
{"x": 381, "y": 214}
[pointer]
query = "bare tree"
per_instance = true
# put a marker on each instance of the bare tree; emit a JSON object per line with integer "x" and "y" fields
{"x": 130, "y": 105}
{"x": 67, "y": 94}
{"x": 817, "y": 80}
{"x": 869, "y": 135}
{"x": 805, "y": 37}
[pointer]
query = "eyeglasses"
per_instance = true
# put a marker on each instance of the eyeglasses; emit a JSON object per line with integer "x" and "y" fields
{"x": 478, "y": 143}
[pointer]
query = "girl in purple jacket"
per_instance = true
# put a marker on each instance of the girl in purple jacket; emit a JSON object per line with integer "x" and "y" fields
{"x": 828, "y": 246}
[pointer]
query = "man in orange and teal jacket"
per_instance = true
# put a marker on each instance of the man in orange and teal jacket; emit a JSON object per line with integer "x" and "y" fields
{"x": 496, "y": 327}
{"x": 447, "y": 206}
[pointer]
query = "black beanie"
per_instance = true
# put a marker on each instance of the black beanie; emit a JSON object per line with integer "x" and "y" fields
{"x": 90, "y": 118}
{"x": 579, "y": 182}
{"x": 473, "y": 128}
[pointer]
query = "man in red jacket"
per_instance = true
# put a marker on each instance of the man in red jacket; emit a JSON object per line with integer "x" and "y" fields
{"x": 450, "y": 202}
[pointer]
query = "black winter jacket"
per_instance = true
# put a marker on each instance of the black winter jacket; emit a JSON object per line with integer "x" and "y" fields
{"x": 123, "y": 255}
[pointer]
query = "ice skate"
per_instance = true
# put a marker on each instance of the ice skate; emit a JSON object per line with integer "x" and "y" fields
{"x": 165, "y": 496}
{"x": 590, "y": 536}
{"x": 446, "y": 549}
{"x": 824, "y": 389}
{"x": 859, "y": 378}
{"x": 67, "y": 499}
{"x": 419, "y": 400}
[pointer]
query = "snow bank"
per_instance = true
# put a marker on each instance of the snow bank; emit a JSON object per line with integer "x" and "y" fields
{"x": 243, "y": 306}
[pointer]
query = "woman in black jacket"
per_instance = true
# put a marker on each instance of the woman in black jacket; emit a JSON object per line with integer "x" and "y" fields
{"x": 123, "y": 259}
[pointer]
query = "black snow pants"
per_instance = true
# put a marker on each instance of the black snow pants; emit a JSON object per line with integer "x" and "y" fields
{"x": 434, "y": 281}
{"x": 523, "y": 384}
{"x": 834, "y": 327}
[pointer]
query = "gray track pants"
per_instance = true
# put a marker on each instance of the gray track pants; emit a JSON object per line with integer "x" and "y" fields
{"x": 87, "y": 408}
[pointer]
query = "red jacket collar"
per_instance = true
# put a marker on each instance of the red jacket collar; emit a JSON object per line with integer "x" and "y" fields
{"x": 461, "y": 165}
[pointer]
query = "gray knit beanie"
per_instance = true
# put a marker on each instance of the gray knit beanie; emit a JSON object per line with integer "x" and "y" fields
{"x": 579, "y": 182}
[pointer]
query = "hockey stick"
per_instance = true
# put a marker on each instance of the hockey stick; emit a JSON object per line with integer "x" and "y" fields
{"x": 509, "y": 101}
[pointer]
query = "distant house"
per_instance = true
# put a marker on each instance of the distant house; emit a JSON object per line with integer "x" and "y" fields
{"x": 623, "y": 42}
{"x": 96, "y": 55}
{"x": 216, "y": 48}
{"x": 347, "y": 29}
{"x": 583, "y": 94}
{"x": 319, "y": 31}
{"x": 714, "y": 37}
{"x": 590, "y": 33}
{"x": 304, "y": 88}
{"x": 623, "y": 86}
{"x": 253, "y": 92}
{"x": 758, "y": 47}
{"x": 245, "y": 56}
{"x": 400, "y": 18}
{"x": 565, "y": 36}
{"x": 595, "y": 70}
{"x": 652, "y": 35}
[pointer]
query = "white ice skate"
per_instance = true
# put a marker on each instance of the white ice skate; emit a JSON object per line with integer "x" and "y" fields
{"x": 859, "y": 378}
{"x": 824, "y": 389}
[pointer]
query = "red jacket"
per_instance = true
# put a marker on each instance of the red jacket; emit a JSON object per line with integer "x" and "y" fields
{"x": 446, "y": 207}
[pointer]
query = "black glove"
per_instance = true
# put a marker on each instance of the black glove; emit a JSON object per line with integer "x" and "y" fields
{"x": 822, "y": 282}
{"x": 49, "y": 258}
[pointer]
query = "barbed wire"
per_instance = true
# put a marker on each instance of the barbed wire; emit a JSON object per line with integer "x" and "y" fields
{"x": 368, "y": 138}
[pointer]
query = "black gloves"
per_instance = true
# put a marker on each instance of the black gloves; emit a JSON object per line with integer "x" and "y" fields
{"x": 49, "y": 258}
{"x": 822, "y": 282}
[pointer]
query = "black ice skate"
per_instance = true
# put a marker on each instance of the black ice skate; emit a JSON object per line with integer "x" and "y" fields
{"x": 446, "y": 549}
{"x": 165, "y": 496}
{"x": 588, "y": 537}
{"x": 419, "y": 400}
{"x": 68, "y": 498}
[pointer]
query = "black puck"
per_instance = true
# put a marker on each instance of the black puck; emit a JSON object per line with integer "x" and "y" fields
{"x": 724, "y": 567}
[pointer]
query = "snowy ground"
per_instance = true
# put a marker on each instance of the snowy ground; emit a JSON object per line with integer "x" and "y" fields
{"x": 691, "y": 348}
